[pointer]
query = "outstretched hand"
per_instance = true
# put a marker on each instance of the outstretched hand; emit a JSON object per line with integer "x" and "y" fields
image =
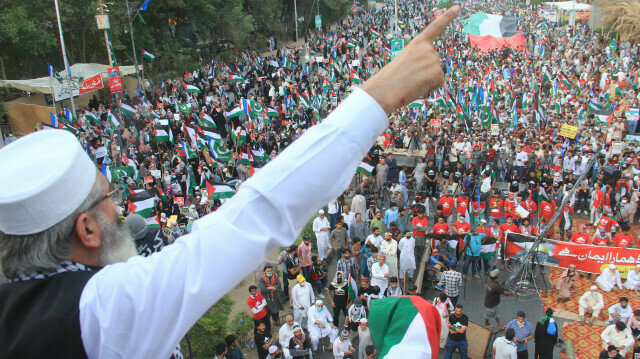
{"x": 415, "y": 72}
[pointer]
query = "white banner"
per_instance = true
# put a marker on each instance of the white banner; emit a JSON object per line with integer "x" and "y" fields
{"x": 61, "y": 91}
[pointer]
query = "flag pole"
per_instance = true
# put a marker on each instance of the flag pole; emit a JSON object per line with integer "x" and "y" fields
{"x": 64, "y": 58}
{"x": 133, "y": 45}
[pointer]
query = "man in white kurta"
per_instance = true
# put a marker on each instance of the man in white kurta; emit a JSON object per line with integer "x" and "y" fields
{"x": 342, "y": 346}
{"x": 610, "y": 279}
{"x": 590, "y": 302}
{"x": 302, "y": 298}
{"x": 380, "y": 274}
{"x": 321, "y": 228}
{"x": 320, "y": 325}
{"x": 285, "y": 334}
{"x": 364, "y": 338}
{"x": 619, "y": 336}
{"x": 389, "y": 247}
{"x": 620, "y": 312}
{"x": 633, "y": 279}
{"x": 406, "y": 247}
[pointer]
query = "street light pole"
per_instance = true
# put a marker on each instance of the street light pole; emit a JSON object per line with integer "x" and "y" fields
{"x": 295, "y": 10}
{"x": 64, "y": 58}
{"x": 395, "y": 30}
{"x": 133, "y": 45}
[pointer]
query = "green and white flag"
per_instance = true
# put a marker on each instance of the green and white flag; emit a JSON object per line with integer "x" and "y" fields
{"x": 147, "y": 55}
{"x": 365, "y": 168}
{"x": 236, "y": 79}
{"x": 113, "y": 121}
{"x": 206, "y": 120}
{"x": 236, "y": 112}
{"x": 162, "y": 135}
{"x": 415, "y": 104}
{"x": 92, "y": 117}
{"x": 219, "y": 152}
{"x": 184, "y": 108}
{"x": 542, "y": 196}
{"x": 240, "y": 134}
{"x": 114, "y": 173}
{"x": 272, "y": 113}
{"x": 127, "y": 110}
{"x": 260, "y": 155}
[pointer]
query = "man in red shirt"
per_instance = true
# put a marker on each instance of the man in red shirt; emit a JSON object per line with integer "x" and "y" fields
{"x": 609, "y": 224}
{"x": 623, "y": 239}
{"x": 495, "y": 206}
{"x": 508, "y": 226}
{"x": 419, "y": 224}
{"x": 526, "y": 228}
{"x": 447, "y": 204}
{"x": 547, "y": 209}
{"x": 531, "y": 206}
{"x": 258, "y": 306}
{"x": 462, "y": 202}
{"x": 601, "y": 237}
{"x": 510, "y": 206}
{"x": 582, "y": 236}
{"x": 459, "y": 229}
{"x": 596, "y": 206}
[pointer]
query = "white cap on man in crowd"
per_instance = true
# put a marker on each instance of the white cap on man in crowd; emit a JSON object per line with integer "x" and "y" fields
{"x": 612, "y": 266}
{"x": 321, "y": 211}
{"x": 45, "y": 178}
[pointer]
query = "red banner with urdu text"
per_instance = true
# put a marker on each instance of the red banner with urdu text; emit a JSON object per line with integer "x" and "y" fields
{"x": 115, "y": 81}
{"x": 586, "y": 258}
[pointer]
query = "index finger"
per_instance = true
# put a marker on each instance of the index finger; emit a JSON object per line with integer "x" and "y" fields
{"x": 438, "y": 25}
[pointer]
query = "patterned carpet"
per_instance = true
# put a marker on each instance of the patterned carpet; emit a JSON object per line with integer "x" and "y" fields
{"x": 586, "y": 338}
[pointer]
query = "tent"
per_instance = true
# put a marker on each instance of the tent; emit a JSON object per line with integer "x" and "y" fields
{"x": 43, "y": 84}
{"x": 569, "y": 5}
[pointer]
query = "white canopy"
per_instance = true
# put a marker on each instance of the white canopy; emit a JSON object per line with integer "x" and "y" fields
{"x": 43, "y": 84}
{"x": 569, "y": 5}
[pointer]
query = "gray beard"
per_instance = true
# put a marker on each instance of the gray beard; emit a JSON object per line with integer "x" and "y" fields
{"x": 117, "y": 243}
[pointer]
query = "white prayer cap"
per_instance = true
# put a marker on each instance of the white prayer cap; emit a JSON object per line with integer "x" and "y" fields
{"x": 593, "y": 287}
{"x": 364, "y": 320}
{"x": 319, "y": 301}
{"x": 45, "y": 177}
{"x": 612, "y": 266}
{"x": 321, "y": 211}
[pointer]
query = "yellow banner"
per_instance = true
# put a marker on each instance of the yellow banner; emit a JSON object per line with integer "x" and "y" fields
{"x": 568, "y": 131}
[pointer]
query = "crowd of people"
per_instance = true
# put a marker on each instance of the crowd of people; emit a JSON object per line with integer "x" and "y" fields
{"x": 490, "y": 144}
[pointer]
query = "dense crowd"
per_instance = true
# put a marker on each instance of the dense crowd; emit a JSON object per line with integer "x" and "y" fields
{"x": 490, "y": 142}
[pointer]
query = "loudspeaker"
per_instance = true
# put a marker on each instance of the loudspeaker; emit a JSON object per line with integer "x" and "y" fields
{"x": 611, "y": 174}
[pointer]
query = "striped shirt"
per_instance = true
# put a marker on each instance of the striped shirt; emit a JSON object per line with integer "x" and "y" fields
{"x": 452, "y": 281}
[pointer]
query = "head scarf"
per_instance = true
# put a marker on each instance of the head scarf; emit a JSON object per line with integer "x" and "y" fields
{"x": 335, "y": 281}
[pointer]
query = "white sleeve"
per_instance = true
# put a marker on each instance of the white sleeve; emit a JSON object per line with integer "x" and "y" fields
{"x": 166, "y": 293}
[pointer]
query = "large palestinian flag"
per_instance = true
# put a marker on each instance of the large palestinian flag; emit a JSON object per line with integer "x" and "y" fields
{"x": 490, "y": 32}
{"x": 405, "y": 327}
{"x": 217, "y": 190}
{"x": 142, "y": 202}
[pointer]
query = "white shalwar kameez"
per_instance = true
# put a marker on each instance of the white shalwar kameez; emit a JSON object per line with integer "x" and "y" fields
{"x": 302, "y": 297}
{"x": 165, "y": 294}
{"x": 608, "y": 280}
{"x": 390, "y": 250}
{"x": 322, "y": 237}
{"x": 284, "y": 336}
{"x": 444, "y": 308}
{"x": 377, "y": 276}
{"x": 407, "y": 256}
{"x": 316, "y": 331}
{"x": 364, "y": 339}
{"x": 633, "y": 279}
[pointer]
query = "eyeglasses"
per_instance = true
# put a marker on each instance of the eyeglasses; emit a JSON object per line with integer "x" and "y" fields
{"x": 115, "y": 194}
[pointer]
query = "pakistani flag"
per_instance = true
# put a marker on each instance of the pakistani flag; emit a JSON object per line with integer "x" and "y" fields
{"x": 147, "y": 55}
{"x": 142, "y": 202}
{"x": 127, "y": 110}
{"x": 405, "y": 327}
{"x": 219, "y": 152}
{"x": 582, "y": 112}
{"x": 236, "y": 112}
{"x": 186, "y": 151}
{"x": 218, "y": 190}
{"x": 184, "y": 108}
{"x": 365, "y": 168}
{"x": 191, "y": 89}
{"x": 114, "y": 173}
{"x": 53, "y": 73}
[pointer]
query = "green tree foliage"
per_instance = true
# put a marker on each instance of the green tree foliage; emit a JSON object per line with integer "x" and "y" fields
{"x": 176, "y": 31}
{"x": 210, "y": 330}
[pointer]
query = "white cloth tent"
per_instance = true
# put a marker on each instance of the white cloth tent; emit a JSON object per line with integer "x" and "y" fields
{"x": 569, "y": 5}
{"x": 43, "y": 84}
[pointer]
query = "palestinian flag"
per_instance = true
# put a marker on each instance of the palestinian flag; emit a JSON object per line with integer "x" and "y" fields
{"x": 219, "y": 152}
{"x": 272, "y": 113}
{"x": 218, "y": 190}
{"x": 365, "y": 168}
{"x": 162, "y": 135}
{"x": 604, "y": 117}
{"x": 142, "y": 202}
{"x": 245, "y": 157}
{"x": 147, "y": 55}
{"x": 114, "y": 173}
{"x": 191, "y": 89}
{"x": 355, "y": 78}
{"x": 415, "y": 104}
{"x": 496, "y": 30}
{"x": 236, "y": 112}
{"x": 440, "y": 100}
{"x": 547, "y": 76}
{"x": 375, "y": 33}
{"x": 260, "y": 155}
{"x": 543, "y": 196}
{"x": 206, "y": 120}
{"x": 449, "y": 100}
{"x": 405, "y": 327}
{"x": 236, "y": 78}
{"x": 90, "y": 116}
{"x": 352, "y": 289}
{"x": 240, "y": 134}
{"x": 351, "y": 45}
{"x": 459, "y": 113}
{"x": 113, "y": 121}
{"x": 127, "y": 110}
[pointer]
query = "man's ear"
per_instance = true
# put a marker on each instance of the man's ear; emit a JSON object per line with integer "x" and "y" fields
{"x": 88, "y": 231}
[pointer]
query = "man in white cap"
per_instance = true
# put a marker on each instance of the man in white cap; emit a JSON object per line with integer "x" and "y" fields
{"x": 320, "y": 325}
{"x": 364, "y": 337}
{"x": 590, "y": 302}
{"x": 274, "y": 352}
{"x": 342, "y": 346}
{"x": 610, "y": 279}
{"x": 633, "y": 279}
{"x": 321, "y": 228}
{"x": 68, "y": 255}
{"x": 302, "y": 298}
